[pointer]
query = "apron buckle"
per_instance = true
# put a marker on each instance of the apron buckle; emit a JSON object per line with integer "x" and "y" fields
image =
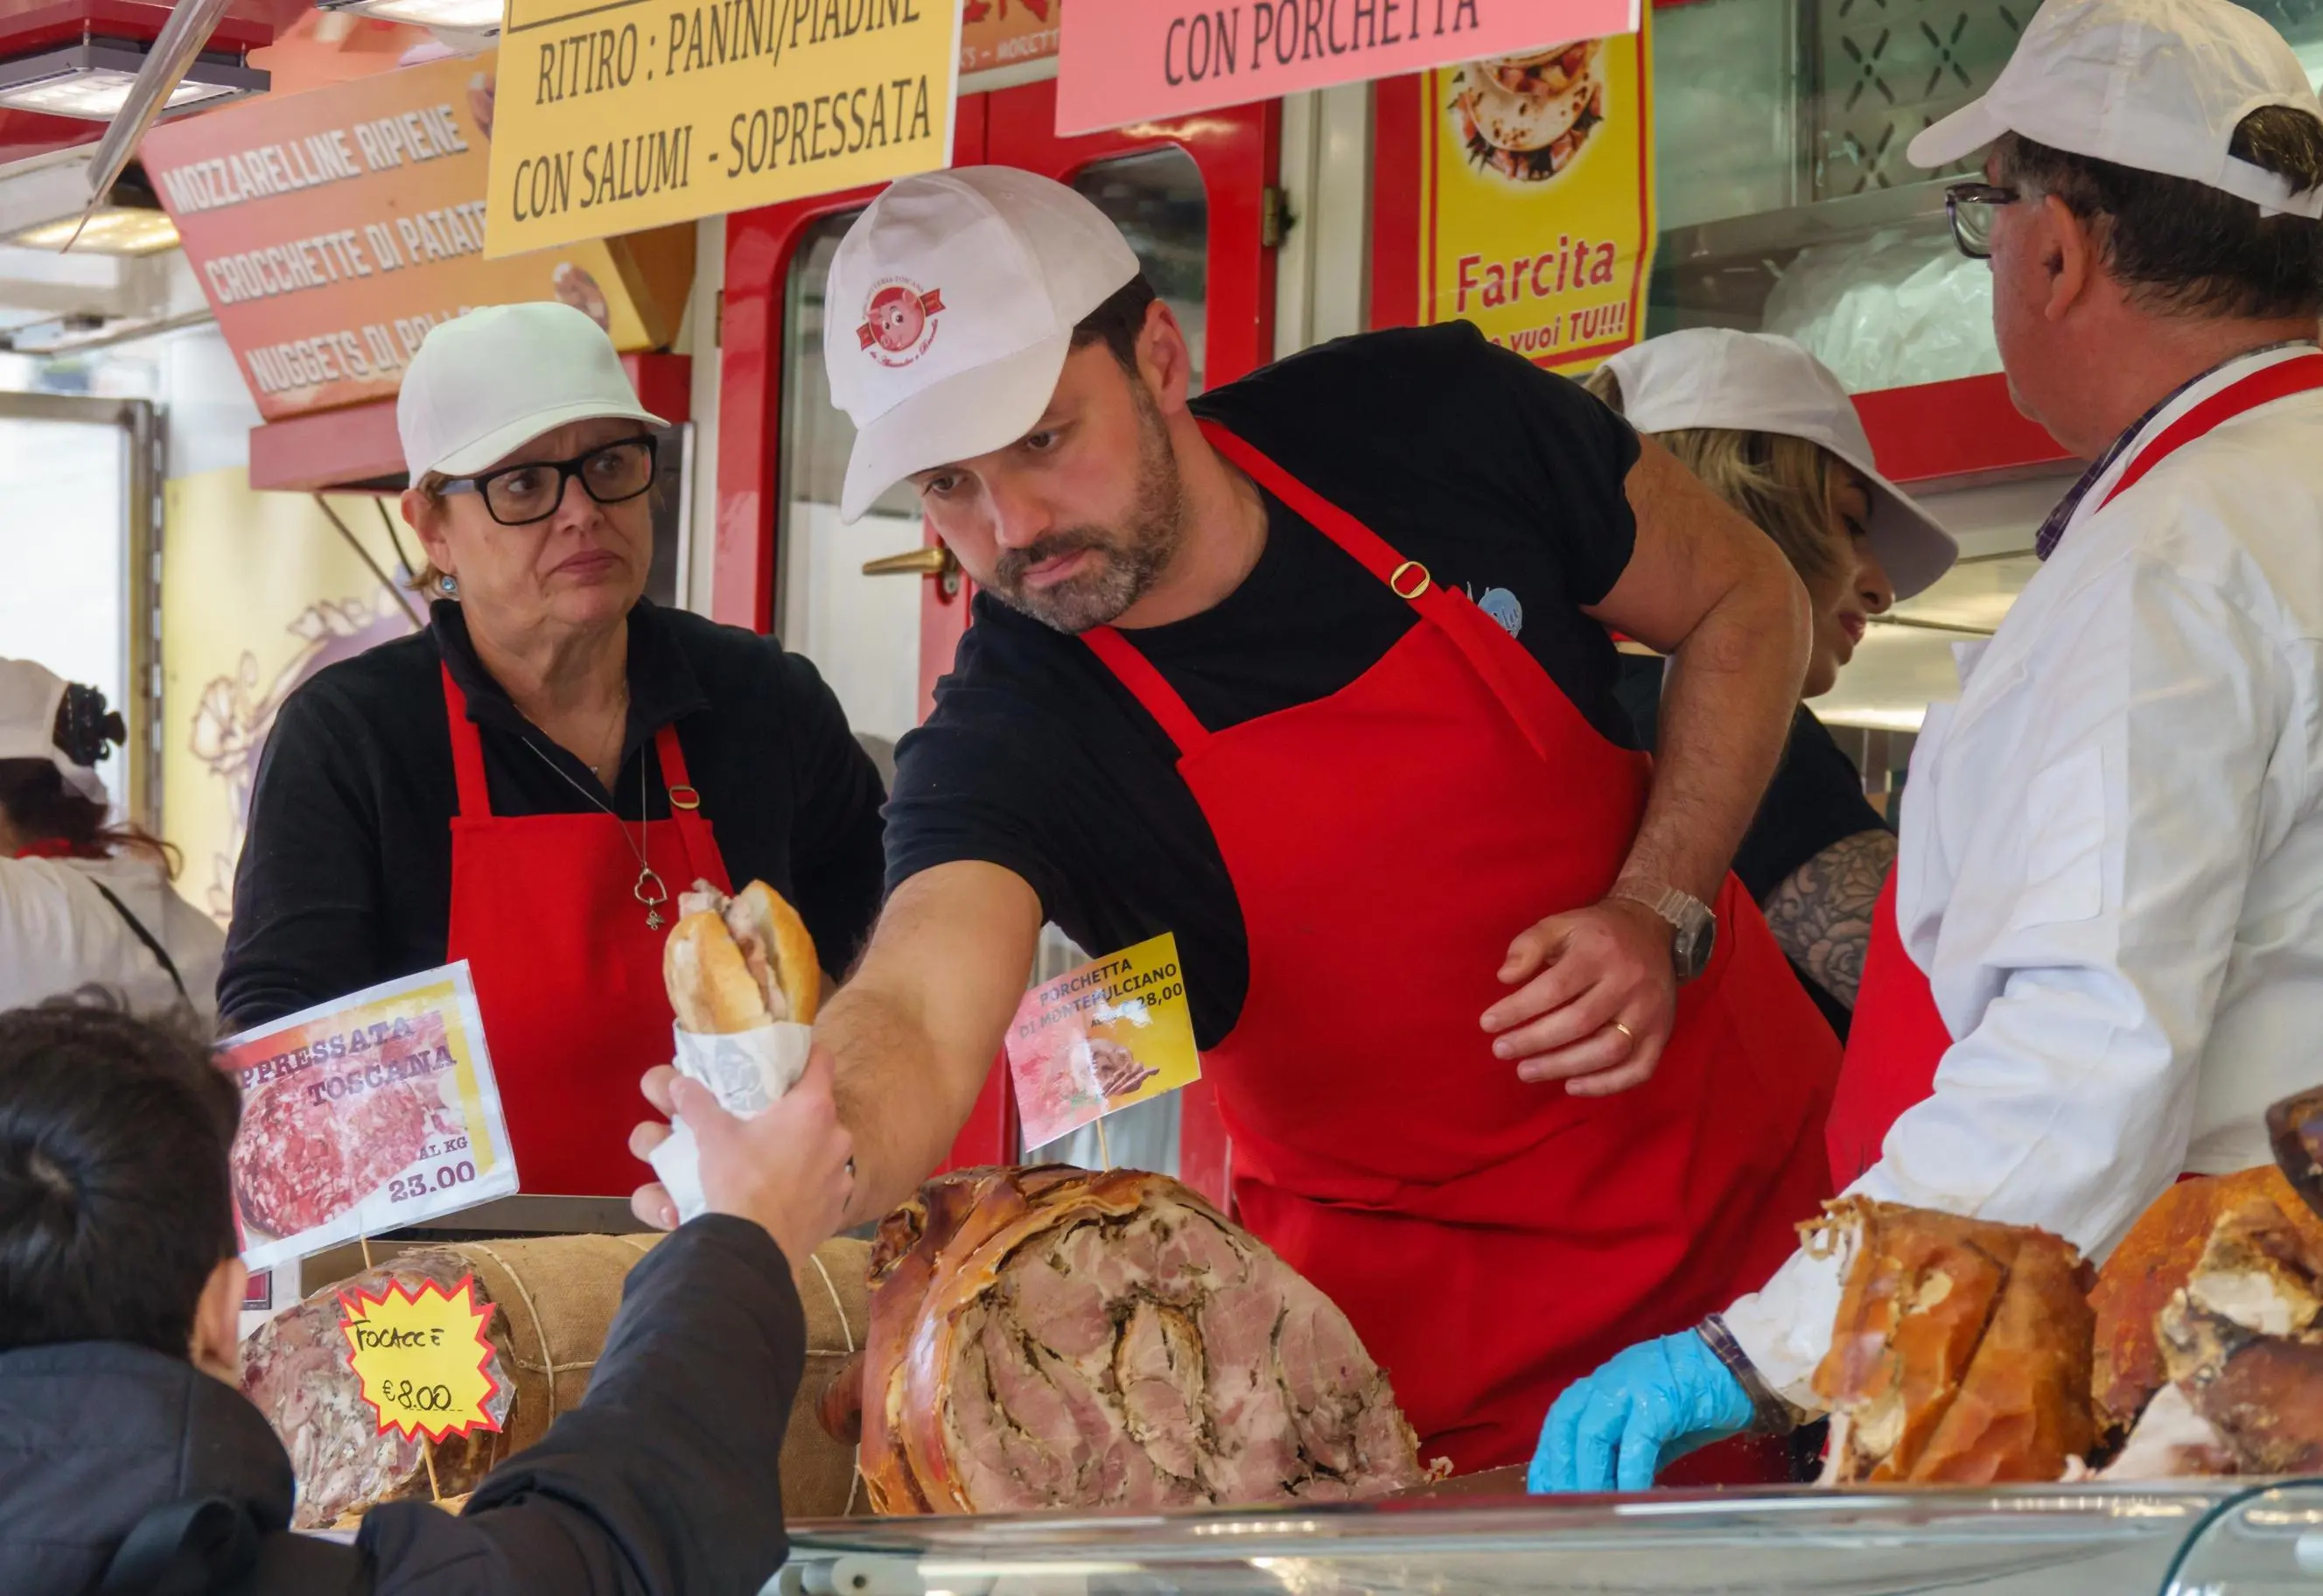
{"x": 683, "y": 797}
{"x": 1405, "y": 573}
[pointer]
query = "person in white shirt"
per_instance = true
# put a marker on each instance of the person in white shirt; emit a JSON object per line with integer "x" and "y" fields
{"x": 84, "y": 902}
{"x": 2101, "y": 954}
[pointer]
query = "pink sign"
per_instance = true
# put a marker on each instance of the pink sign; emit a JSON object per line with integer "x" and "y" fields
{"x": 1124, "y": 61}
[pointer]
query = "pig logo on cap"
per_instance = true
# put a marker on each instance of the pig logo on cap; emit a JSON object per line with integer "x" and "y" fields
{"x": 899, "y": 323}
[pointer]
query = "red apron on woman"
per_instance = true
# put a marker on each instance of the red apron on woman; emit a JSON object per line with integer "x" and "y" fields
{"x": 567, "y": 971}
{"x": 1491, "y": 1240}
{"x": 1899, "y": 1036}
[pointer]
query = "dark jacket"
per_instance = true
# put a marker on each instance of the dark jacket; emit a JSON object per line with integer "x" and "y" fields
{"x": 664, "y": 1480}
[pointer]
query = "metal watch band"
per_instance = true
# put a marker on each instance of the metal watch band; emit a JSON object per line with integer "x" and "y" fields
{"x": 1682, "y": 910}
{"x": 1772, "y": 1413}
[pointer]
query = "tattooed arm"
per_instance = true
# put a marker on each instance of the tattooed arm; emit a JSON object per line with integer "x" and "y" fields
{"x": 1821, "y": 914}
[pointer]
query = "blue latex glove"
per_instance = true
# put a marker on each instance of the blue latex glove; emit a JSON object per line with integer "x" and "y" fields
{"x": 1647, "y": 1406}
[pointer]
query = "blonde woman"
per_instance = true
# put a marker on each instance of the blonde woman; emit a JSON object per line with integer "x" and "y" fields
{"x": 1771, "y": 431}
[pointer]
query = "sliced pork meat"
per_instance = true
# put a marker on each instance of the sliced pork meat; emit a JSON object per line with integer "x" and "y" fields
{"x": 1052, "y": 1338}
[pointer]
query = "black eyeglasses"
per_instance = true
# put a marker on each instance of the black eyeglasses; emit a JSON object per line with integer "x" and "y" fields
{"x": 1970, "y": 206}
{"x": 518, "y": 495}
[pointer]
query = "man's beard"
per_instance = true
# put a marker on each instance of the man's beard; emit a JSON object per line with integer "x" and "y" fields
{"x": 1124, "y": 562}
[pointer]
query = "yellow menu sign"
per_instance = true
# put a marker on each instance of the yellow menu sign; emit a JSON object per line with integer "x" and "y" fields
{"x": 1537, "y": 197}
{"x": 1103, "y": 1035}
{"x": 611, "y": 118}
{"x": 421, "y": 1357}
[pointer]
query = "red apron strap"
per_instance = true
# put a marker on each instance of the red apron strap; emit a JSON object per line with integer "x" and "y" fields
{"x": 467, "y": 754}
{"x": 2264, "y": 387}
{"x": 1895, "y": 1041}
{"x": 694, "y": 834}
{"x": 1136, "y": 673}
{"x": 1509, "y": 672}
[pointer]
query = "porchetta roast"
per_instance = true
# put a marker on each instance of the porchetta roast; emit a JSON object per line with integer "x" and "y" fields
{"x": 1049, "y": 1337}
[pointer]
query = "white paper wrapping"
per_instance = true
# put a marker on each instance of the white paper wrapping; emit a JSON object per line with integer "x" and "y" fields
{"x": 748, "y": 1069}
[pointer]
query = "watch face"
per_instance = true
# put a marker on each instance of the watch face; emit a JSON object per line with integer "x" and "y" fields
{"x": 1692, "y": 949}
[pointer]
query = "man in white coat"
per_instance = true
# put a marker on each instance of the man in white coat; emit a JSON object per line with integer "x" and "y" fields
{"x": 84, "y": 902}
{"x": 2101, "y": 954}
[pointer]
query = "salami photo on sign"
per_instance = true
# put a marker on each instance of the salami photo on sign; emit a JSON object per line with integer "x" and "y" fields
{"x": 362, "y": 1115}
{"x": 1102, "y": 1036}
{"x": 1537, "y": 197}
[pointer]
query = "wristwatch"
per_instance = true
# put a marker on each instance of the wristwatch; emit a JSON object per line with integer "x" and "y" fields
{"x": 1696, "y": 927}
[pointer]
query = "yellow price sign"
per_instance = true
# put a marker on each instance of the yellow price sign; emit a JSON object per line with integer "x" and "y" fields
{"x": 422, "y": 1357}
{"x": 1103, "y": 1035}
{"x": 615, "y": 115}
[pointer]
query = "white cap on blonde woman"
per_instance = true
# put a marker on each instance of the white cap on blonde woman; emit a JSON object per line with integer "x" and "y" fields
{"x": 496, "y": 379}
{"x": 949, "y": 311}
{"x": 30, "y": 696}
{"x": 2156, "y": 86}
{"x": 1715, "y": 377}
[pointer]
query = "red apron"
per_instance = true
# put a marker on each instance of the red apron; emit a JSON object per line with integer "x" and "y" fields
{"x": 1491, "y": 1240}
{"x": 1898, "y": 1037}
{"x": 567, "y": 973}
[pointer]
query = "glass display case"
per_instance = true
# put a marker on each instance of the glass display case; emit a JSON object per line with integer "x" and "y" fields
{"x": 2215, "y": 1537}
{"x": 1787, "y": 201}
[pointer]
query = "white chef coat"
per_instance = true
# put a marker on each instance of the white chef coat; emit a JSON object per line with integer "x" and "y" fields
{"x": 2111, "y": 865}
{"x": 57, "y": 934}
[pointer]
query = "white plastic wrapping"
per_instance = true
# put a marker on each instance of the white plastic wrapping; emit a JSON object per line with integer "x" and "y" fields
{"x": 1899, "y": 308}
{"x": 748, "y": 1069}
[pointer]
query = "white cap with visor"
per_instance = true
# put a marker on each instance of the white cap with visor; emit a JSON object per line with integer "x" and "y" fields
{"x": 30, "y": 696}
{"x": 1716, "y": 377}
{"x": 493, "y": 380}
{"x": 2157, "y": 85}
{"x": 950, "y": 312}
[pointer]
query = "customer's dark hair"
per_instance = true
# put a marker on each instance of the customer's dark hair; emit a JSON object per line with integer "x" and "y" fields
{"x": 1119, "y": 322}
{"x": 115, "y": 1203}
{"x": 2185, "y": 247}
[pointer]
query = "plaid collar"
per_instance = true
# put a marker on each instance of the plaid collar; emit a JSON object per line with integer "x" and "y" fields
{"x": 2053, "y": 531}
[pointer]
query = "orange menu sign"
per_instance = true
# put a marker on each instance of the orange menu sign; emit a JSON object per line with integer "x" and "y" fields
{"x": 1006, "y": 36}
{"x": 332, "y": 229}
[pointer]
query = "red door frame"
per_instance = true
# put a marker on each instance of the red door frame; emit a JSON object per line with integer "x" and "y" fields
{"x": 1237, "y": 152}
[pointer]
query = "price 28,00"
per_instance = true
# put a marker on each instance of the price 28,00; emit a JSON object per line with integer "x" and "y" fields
{"x": 411, "y": 1187}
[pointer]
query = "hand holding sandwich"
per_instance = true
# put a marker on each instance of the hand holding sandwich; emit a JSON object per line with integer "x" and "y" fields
{"x": 785, "y": 1167}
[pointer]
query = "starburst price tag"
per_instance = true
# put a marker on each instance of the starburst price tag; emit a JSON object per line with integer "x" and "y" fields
{"x": 421, "y": 1356}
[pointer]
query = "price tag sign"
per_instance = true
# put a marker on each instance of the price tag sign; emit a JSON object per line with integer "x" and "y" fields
{"x": 422, "y": 1357}
{"x": 1113, "y": 1031}
{"x": 366, "y": 1114}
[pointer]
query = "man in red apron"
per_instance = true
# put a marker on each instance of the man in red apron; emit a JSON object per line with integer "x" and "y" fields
{"x": 1314, "y": 673}
{"x": 2101, "y": 953}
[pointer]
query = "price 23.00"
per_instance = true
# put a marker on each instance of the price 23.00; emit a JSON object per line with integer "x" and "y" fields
{"x": 411, "y": 1187}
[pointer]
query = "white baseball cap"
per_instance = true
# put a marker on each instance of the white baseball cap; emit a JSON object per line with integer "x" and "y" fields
{"x": 2157, "y": 85}
{"x": 30, "y": 695}
{"x": 948, "y": 314}
{"x": 1715, "y": 377}
{"x": 495, "y": 378}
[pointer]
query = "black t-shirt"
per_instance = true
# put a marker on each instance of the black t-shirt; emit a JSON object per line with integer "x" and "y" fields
{"x": 347, "y": 879}
{"x": 1501, "y": 479}
{"x": 1815, "y": 799}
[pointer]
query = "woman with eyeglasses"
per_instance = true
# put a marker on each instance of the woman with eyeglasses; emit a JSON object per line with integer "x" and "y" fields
{"x": 530, "y": 782}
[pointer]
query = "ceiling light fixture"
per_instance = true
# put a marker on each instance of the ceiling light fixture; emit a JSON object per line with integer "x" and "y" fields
{"x": 455, "y": 16}
{"x": 92, "y": 79}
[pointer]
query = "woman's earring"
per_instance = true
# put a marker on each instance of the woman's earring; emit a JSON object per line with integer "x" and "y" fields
{"x": 451, "y": 586}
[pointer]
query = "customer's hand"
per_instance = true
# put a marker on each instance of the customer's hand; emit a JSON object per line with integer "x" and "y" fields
{"x": 785, "y": 1167}
{"x": 1598, "y": 1000}
{"x": 1647, "y": 1407}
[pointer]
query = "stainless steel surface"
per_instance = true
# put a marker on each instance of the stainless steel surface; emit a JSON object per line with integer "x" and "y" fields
{"x": 2013, "y": 1541}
